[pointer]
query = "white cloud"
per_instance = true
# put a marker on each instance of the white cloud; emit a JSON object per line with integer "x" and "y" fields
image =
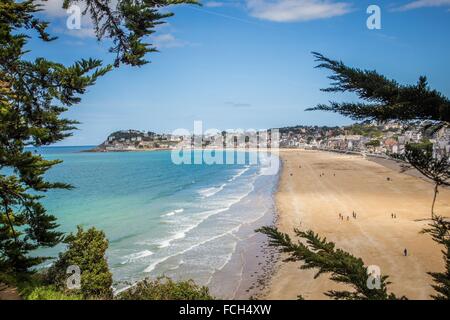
{"x": 238, "y": 104}
{"x": 296, "y": 10}
{"x": 82, "y": 33}
{"x": 423, "y": 4}
{"x": 53, "y": 8}
{"x": 214, "y": 4}
{"x": 226, "y": 3}
{"x": 167, "y": 40}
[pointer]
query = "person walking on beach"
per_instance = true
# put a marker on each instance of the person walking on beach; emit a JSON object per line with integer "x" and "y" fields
{"x": 405, "y": 252}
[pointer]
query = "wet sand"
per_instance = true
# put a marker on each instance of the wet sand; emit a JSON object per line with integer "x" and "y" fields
{"x": 251, "y": 264}
{"x": 350, "y": 183}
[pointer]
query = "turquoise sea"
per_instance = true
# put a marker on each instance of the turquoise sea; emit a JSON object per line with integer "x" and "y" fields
{"x": 183, "y": 221}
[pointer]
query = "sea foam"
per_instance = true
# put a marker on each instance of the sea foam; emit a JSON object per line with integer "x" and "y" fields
{"x": 208, "y": 192}
{"x": 172, "y": 213}
{"x": 136, "y": 256}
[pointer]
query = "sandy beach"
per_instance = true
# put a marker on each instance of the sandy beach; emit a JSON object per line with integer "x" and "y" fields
{"x": 352, "y": 183}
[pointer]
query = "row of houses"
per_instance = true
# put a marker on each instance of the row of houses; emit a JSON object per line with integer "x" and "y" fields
{"x": 390, "y": 139}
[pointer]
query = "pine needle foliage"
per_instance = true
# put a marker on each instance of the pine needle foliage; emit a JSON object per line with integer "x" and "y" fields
{"x": 319, "y": 254}
{"x": 384, "y": 99}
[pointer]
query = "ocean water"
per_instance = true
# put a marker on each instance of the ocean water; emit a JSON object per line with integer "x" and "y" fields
{"x": 182, "y": 221}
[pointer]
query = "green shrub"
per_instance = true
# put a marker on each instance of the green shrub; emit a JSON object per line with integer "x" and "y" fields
{"x": 373, "y": 143}
{"x": 85, "y": 249}
{"x": 8, "y": 279}
{"x": 25, "y": 282}
{"x": 50, "y": 293}
{"x": 165, "y": 289}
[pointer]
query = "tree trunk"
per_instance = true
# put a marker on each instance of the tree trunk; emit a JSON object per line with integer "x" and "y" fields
{"x": 436, "y": 191}
{"x": 10, "y": 223}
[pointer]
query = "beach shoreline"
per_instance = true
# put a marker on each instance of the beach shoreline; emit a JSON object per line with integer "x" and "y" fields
{"x": 250, "y": 266}
{"x": 315, "y": 186}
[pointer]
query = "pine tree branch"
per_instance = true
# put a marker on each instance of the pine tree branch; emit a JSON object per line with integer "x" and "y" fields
{"x": 320, "y": 254}
{"x": 386, "y": 99}
{"x": 439, "y": 229}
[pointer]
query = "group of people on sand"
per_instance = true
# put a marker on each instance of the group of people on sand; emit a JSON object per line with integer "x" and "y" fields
{"x": 320, "y": 175}
{"x": 354, "y": 215}
{"x": 323, "y": 175}
{"x": 341, "y": 216}
{"x": 394, "y": 216}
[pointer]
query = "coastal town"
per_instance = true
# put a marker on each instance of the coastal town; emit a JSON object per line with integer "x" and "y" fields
{"x": 381, "y": 139}
{"x": 373, "y": 138}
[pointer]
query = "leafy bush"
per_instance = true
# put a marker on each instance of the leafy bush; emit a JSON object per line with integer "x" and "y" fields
{"x": 165, "y": 289}
{"x": 373, "y": 143}
{"x": 50, "y": 293}
{"x": 8, "y": 279}
{"x": 85, "y": 249}
{"x": 25, "y": 282}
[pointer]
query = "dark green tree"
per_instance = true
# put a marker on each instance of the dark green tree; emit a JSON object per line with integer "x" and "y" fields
{"x": 318, "y": 253}
{"x": 373, "y": 143}
{"x": 420, "y": 156}
{"x": 127, "y": 24}
{"x": 33, "y": 96}
{"x": 385, "y": 99}
{"x": 439, "y": 229}
{"x": 85, "y": 249}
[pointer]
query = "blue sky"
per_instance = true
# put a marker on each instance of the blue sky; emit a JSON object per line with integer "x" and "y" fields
{"x": 248, "y": 63}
